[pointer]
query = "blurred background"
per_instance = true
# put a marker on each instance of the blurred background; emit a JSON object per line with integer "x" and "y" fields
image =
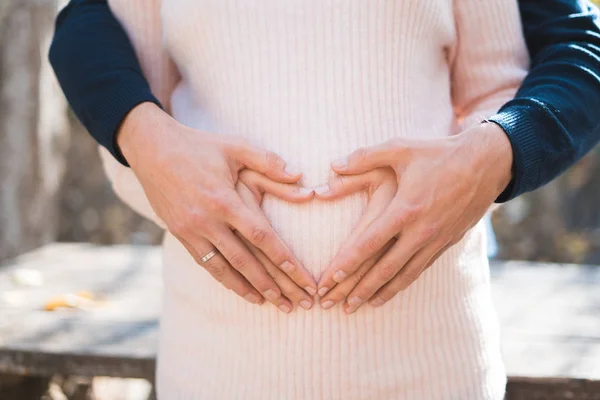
{"x": 53, "y": 187}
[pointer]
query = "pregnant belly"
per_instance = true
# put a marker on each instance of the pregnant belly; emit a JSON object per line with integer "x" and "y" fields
{"x": 315, "y": 231}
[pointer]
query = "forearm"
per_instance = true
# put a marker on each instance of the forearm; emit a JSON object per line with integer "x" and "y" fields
{"x": 145, "y": 130}
{"x": 97, "y": 68}
{"x": 554, "y": 120}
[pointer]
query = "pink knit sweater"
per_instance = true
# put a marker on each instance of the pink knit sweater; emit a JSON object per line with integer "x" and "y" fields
{"x": 313, "y": 80}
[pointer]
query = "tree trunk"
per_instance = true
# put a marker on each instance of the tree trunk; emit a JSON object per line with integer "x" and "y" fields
{"x": 33, "y": 127}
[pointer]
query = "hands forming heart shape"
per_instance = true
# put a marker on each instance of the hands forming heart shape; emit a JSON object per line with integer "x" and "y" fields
{"x": 381, "y": 186}
{"x": 424, "y": 195}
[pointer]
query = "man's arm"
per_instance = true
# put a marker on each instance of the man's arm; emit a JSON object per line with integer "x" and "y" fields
{"x": 552, "y": 122}
{"x": 97, "y": 67}
{"x": 98, "y": 70}
{"x": 554, "y": 119}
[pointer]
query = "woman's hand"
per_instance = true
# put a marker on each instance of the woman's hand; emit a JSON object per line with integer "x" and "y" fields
{"x": 189, "y": 178}
{"x": 445, "y": 186}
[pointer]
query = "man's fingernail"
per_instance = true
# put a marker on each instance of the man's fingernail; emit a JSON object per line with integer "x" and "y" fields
{"x": 339, "y": 276}
{"x": 305, "y": 304}
{"x": 287, "y": 267}
{"x": 326, "y": 305}
{"x": 350, "y": 309}
{"x": 270, "y": 294}
{"x": 340, "y": 163}
{"x": 377, "y": 302}
{"x": 323, "y": 291}
{"x": 305, "y": 191}
{"x": 321, "y": 190}
{"x": 252, "y": 298}
{"x": 285, "y": 308}
{"x": 310, "y": 290}
{"x": 291, "y": 170}
{"x": 354, "y": 301}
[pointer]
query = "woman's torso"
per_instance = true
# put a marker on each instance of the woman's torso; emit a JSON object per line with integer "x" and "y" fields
{"x": 314, "y": 80}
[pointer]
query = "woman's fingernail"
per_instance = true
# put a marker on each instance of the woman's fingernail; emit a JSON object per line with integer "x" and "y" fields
{"x": 287, "y": 267}
{"x": 310, "y": 290}
{"x": 377, "y": 302}
{"x": 323, "y": 291}
{"x": 354, "y": 301}
{"x": 252, "y": 298}
{"x": 305, "y": 191}
{"x": 270, "y": 294}
{"x": 321, "y": 190}
{"x": 291, "y": 170}
{"x": 339, "y": 276}
{"x": 285, "y": 308}
{"x": 326, "y": 305}
{"x": 305, "y": 304}
{"x": 340, "y": 163}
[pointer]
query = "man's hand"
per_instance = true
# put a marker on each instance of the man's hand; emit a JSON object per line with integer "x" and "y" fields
{"x": 444, "y": 187}
{"x": 189, "y": 177}
{"x": 252, "y": 186}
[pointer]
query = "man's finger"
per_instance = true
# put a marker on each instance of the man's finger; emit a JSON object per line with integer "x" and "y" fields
{"x": 367, "y": 158}
{"x": 255, "y": 227}
{"x": 240, "y": 258}
{"x": 356, "y": 251}
{"x": 393, "y": 262}
{"x": 290, "y": 290}
{"x": 415, "y": 267}
{"x": 341, "y": 291}
{"x": 221, "y": 271}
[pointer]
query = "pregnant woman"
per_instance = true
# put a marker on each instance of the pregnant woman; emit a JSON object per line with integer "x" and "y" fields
{"x": 336, "y": 89}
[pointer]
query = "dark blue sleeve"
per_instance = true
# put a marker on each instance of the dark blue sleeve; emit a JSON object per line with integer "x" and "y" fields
{"x": 554, "y": 119}
{"x": 97, "y": 68}
{"x": 552, "y": 122}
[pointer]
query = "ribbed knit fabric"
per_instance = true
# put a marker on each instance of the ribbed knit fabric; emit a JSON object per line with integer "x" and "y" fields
{"x": 313, "y": 80}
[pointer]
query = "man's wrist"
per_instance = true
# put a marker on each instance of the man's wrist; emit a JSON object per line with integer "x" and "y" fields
{"x": 137, "y": 128}
{"x": 498, "y": 152}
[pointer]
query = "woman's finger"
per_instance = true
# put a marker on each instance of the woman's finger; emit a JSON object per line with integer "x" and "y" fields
{"x": 260, "y": 184}
{"x": 289, "y": 289}
{"x": 241, "y": 259}
{"x": 255, "y": 227}
{"x": 368, "y": 158}
{"x": 221, "y": 271}
{"x": 343, "y": 185}
{"x": 261, "y": 160}
{"x": 415, "y": 267}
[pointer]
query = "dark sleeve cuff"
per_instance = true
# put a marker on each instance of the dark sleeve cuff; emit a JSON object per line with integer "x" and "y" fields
{"x": 97, "y": 68}
{"x": 106, "y": 119}
{"x": 519, "y": 122}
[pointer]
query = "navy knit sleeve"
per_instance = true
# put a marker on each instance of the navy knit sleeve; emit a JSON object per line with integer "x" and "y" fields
{"x": 97, "y": 68}
{"x": 554, "y": 119}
